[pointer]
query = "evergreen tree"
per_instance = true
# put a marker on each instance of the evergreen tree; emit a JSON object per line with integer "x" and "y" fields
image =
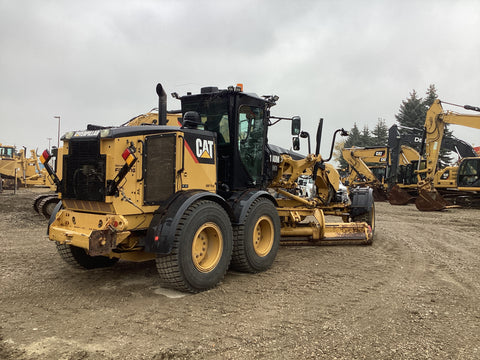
{"x": 412, "y": 113}
{"x": 365, "y": 139}
{"x": 354, "y": 137}
{"x": 431, "y": 96}
{"x": 380, "y": 133}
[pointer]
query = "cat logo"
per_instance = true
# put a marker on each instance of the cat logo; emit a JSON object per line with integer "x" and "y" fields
{"x": 204, "y": 148}
{"x": 201, "y": 147}
{"x": 379, "y": 153}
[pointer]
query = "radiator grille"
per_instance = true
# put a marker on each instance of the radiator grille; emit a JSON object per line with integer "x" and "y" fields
{"x": 84, "y": 171}
{"x": 159, "y": 167}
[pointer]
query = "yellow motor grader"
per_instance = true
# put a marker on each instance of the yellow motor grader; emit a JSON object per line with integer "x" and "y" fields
{"x": 199, "y": 197}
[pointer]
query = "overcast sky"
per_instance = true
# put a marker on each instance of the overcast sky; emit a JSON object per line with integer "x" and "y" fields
{"x": 346, "y": 61}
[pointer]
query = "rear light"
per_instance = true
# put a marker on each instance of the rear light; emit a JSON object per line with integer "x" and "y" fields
{"x": 45, "y": 157}
{"x": 128, "y": 156}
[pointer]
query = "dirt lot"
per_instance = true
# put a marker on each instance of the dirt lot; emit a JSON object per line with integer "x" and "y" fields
{"x": 413, "y": 294}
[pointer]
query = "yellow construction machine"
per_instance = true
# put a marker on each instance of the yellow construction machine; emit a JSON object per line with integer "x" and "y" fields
{"x": 372, "y": 166}
{"x": 466, "y": 189}
{"x": 18, "y": 170}
{"x": 199, "y": 197}
{"x": 368, "y": 167}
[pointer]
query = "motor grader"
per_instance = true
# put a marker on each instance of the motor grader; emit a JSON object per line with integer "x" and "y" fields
{"x": 199, "y": 197}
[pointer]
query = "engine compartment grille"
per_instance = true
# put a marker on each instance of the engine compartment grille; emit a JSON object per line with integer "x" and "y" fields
{"x": 159, "y": 167}
{"x": 84, "y": 171}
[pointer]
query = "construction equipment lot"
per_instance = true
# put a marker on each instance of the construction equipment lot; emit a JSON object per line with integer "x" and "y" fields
{"x": 413, "y": 294}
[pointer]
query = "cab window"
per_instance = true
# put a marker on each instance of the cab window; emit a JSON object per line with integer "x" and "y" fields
{"x": 250, "y": 139}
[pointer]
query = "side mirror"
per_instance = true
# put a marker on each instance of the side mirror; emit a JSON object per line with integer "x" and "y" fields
{"x": 296, "y": 125}
{"x": 296, "y": 143}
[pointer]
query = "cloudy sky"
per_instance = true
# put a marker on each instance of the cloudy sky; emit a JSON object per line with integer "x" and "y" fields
{"x": 346, "y": 61}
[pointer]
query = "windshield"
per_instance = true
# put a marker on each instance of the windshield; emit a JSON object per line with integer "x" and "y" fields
{"x": 469, "y": 173}
{"x": 6, "y": 152}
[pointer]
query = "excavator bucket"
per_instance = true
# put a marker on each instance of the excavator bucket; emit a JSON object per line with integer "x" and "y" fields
{"x": 379, "y": 194}
{"x": 398, "y": 196}
{"x": 430, "y": 201}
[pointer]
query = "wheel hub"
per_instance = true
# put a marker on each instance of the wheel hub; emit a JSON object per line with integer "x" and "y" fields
{"x": 263, "y": 236}
{"x": 207, "y": 247}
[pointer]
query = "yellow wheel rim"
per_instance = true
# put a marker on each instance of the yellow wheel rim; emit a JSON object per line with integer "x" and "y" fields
{"x": 263, "y": 235}
{"x": 207, "y": 247}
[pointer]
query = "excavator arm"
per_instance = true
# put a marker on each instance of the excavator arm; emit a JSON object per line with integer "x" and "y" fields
{"x": 360, "y": 173}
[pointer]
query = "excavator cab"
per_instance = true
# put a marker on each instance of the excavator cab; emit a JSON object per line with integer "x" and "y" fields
{"x": 469, "y": 173}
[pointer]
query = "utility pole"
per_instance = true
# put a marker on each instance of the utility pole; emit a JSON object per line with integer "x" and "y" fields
{"x": 58, "y": 138}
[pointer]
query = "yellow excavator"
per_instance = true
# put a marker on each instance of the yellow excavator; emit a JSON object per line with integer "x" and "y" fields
{"x": 403, "y": 183}
{"x": 466, "y": 189}
{"x": 198, "y": 198}
{"x": 368, "y": 167}
{"x": 372, "y": 166}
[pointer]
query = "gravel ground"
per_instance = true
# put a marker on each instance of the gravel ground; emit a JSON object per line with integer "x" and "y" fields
{"x": 413, "y": 294}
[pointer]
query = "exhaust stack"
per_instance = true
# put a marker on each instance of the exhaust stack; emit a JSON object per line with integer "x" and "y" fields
{"x": 162, "y": 105}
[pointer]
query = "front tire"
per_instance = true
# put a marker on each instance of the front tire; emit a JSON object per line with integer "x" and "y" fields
{"x": 201, "y": 250}
{"x": 257, "y": 240}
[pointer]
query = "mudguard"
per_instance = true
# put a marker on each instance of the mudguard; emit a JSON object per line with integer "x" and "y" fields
{"x": 240, "y": 203}
{"x": 362, "y": 201}
{"x": 161, "y": 233}
{"x": 54, "y": 214}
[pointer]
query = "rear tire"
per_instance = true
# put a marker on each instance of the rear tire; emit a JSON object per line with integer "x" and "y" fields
{"x": 201, "y": 250}
{"x": 256, "y": 242}
{"x": 46, "y": 206}
{"x": 37, "y": 199}
{"x": 78, "y": 258}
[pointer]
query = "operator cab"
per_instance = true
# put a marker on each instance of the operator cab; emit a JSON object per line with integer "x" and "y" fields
{"x": 7, "y": 152}
{"x": 240, "y": 122}
{"x": 469, "y": 173}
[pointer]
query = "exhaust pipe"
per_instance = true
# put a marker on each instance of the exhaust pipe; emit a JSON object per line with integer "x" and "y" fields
{"x": 319, "y": 137}
{"x": 162, "y": 105}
